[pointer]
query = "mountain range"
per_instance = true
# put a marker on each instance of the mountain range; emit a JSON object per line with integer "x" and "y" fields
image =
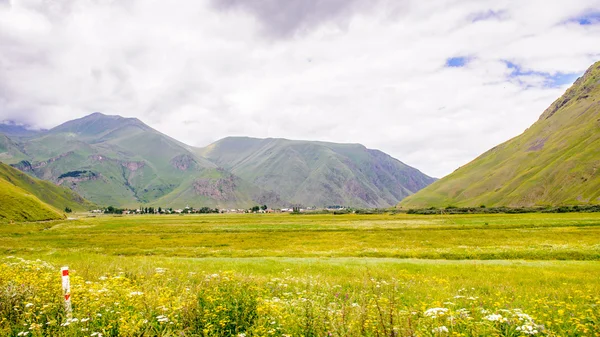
{"x": 112, "y": 160}
{"x": 317, "y": 173}
{"x": 554, "y": 162}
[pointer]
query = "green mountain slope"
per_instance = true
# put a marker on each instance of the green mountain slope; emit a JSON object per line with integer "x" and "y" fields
{"x": 55, "y": 196}
{"x": 318, "y": 173}
{"x": 111, "y": 160}
{"x": 18, "y": 205}
{"x": 9, "y": 150}
{"x": 554, "y": 162}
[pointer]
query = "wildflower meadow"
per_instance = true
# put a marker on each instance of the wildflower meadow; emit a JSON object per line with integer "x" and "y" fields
{"x": 312, "y": 291}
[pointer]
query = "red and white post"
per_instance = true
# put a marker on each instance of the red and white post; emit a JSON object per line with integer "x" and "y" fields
{"x": 66, "y": 287}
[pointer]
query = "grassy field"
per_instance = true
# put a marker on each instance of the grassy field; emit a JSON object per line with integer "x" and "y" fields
{"x": 305, "y": 275}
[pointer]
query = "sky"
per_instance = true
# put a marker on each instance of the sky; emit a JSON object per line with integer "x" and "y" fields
{"x": 432, "y": 83}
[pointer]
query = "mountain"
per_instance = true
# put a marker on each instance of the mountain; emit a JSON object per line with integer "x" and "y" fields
{"x": 554, "y": 162}
{"x": 112, "y": 160}
{"x": 24, "y": 198}
{"x": 317, "y": 173}
{"x": 9, "y": 149}
{"x": 13, "y": 129}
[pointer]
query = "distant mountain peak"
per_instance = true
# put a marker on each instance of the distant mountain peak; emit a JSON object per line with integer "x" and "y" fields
{"x": 100, "y": 115}
{"x": 14, "y": 129}
{"x": 98, "y": 123}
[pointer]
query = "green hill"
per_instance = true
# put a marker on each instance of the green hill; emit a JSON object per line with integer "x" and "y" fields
{"x": 111, "y": 160}
{"x": 318, "y": 173}
{"x": 554, "y": 162}
{"x": 55, "y": 196}
{"x": 9, "y": 150}
{"x": 18, "y": 205}
{"x": 24, "y": 198}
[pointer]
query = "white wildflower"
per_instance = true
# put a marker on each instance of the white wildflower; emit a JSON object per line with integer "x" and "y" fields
{"x": 463, "y": 313}
{"x": 440, "y": 329}
{"x": 528, "y": 329}
{"x": 494, "y": 318}
{"x": 524, "y": 317}
{"x": 435, "y": 312}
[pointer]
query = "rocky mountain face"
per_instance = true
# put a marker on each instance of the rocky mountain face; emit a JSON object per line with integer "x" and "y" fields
{"x": 318, "y": 173}
{"x": 554, "y": 162}
{"x": 111, "y": 160}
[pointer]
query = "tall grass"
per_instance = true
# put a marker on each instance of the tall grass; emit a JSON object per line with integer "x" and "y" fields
{"x": 294, "y": 297}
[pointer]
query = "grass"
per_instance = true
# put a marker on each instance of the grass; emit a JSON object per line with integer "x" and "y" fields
{"x": 531, "y": 236}
{"x": 18, "y": 205}
{"x": 317, "y": 275}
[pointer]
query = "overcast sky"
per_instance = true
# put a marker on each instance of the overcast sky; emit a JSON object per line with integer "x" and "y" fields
{"x": 433, "y": 83}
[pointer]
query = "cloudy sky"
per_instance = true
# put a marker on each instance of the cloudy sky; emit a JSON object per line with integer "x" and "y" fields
{"x": 433, "y": 83}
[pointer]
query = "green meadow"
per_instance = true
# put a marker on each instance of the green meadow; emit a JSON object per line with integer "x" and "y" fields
{"x": 304, "y": 275}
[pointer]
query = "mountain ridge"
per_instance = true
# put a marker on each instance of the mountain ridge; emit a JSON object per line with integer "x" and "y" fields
{"x": 113, "y": 160}
{"x": 293, "y": 167}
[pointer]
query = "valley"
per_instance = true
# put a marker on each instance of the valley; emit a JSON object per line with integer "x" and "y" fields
{"x": 292, "y": 275}
{"x": 299, "y": 168}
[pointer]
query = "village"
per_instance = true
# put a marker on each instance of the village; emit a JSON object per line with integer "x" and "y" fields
{"x": 207, "y": 210}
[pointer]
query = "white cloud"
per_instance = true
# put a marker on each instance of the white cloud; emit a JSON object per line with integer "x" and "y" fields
{"x": 366, "y": 72}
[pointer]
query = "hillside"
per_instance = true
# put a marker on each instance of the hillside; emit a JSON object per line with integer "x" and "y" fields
{"x": 111, "y": 160}
{"x": 554, "y": 162}
{"x": 23, "y": 198}
{"x": 47, "y": 192}
{"x": 9, "y": 150}
{"x": 318, "y": 173}
{"x": 18, "y": 205}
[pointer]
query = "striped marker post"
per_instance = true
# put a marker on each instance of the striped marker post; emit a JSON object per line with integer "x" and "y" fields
{"x": 66, "y": 287}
